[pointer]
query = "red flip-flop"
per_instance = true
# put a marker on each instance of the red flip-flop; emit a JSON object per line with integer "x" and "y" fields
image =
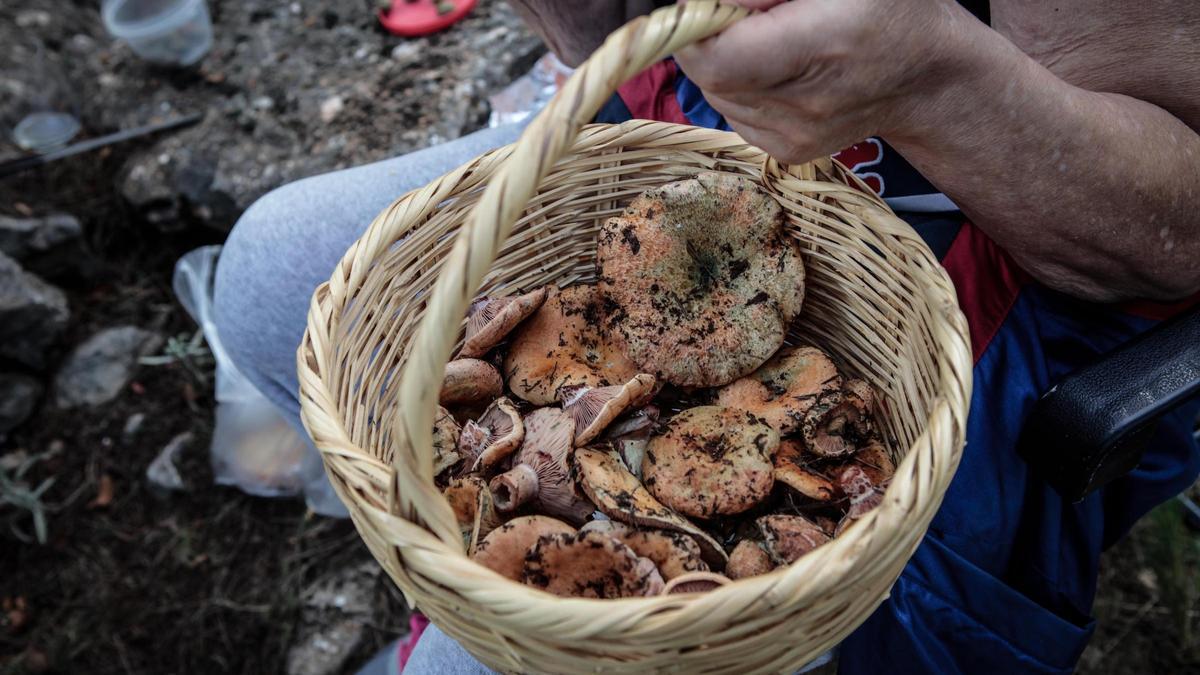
{"x": 413, "y": 18}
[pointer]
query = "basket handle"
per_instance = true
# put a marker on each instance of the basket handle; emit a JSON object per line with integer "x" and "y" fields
{"x": 626, "y": 52}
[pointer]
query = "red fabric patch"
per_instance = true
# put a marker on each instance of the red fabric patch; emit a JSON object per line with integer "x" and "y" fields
{"x": 988, "y": 283}
{"x": 1160, "y": 311}
{"x": 650, "y": 95}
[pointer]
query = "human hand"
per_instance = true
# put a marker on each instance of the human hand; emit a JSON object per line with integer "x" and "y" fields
{"x": 806, "y": 78}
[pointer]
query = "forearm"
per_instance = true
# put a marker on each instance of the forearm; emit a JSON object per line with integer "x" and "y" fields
{"x": 1094, "y": 194}
{"x": 573, "y": 29}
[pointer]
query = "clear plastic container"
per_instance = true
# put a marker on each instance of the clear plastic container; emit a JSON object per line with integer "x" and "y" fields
{"x": 166, "y": 32}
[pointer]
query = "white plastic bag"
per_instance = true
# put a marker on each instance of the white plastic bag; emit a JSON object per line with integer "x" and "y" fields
{"x": 528, "y": 93}
{"x": 253, "y": 446}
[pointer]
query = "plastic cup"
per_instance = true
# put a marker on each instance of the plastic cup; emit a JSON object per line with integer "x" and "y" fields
{"x": 166, "y": 32}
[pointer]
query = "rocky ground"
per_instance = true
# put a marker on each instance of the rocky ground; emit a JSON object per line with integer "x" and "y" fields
{"x": 117, "y": 552}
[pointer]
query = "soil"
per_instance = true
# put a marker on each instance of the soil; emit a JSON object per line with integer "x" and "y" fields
{"x": 135, "y": 580}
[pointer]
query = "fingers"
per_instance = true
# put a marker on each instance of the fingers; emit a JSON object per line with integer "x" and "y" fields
{"x": 759, "y": 51}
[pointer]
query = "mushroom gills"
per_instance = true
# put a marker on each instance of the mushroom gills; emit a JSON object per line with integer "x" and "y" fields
{"x": 541, "y": 470}
{"x": 620, "y": 496}
{"x": 594, "y": 408}
{"x": 496, "y": 435}
{"x": 695, "y": 582}
{"x": 838, "y": 429}
{"x": 490, "y": 320}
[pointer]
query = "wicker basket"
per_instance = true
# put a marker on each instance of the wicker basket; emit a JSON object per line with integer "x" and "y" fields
{"x": 382, "y": 329}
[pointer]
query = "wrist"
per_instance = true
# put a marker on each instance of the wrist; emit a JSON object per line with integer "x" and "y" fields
{"x": 972, "y": 74}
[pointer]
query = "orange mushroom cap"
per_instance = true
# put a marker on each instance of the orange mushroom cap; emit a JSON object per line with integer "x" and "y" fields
{"x": 563, "y": 344}
{"x": 695, "y": 582}
{"x": 791, "y": 469}
{"x": 748, "y": 559}
{"x": 705, "y": 276}
{"x": 470, "y": 380}
{"x": 786, "y": 538}
{"x": 674, "y": 553}
{"x": 589, "y": 565}
{"x": 787, "y": 388}
{"x": 472, "y": 504}
{"x": 711, "y": 461}
{"x": 504, "y": 549}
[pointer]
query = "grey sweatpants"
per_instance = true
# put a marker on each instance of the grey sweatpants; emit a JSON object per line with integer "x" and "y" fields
{"x": 284, "y": 246}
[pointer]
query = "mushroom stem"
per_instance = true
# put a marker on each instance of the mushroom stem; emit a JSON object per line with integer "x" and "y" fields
{"x": 514, "y": 487}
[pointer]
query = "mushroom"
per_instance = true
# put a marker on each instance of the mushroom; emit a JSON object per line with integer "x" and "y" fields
{"x": 711, "y": 461}
{"x": 445, "y": 439}
{"x": 589, "y": 565}
{"x": 619, "y": 495}
{"x": 541, "y": 469}
{"x": 876, "y": 462}
{"x": 838, "y": 431}
{"x": 504, "y": 549}
{"x": 594, "y": 408}
{"x": 786, "y": 538}
{"x": 473, "y": 508}
{"x": 792, "y": 470}
{"x": 704, "y": 276}
{"x": 695, "y": 582}
{"x": 862, "y": 492}
{"x": 490, "y": 319}
{"x": 674, "y": 553}
{"x": 470, "y": 380}
{"x": 786, "y": 390}
{"x": 748, "y": 559}
{"x": 494, "y": 437}
{"x": 631, "y": 436}
{"x": 563, "y": 344}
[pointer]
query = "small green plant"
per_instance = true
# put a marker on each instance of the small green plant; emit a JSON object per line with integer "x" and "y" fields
{"x": 186, "y": 350}
{"x": 1174, "y": 553}
{"x": 16, "y": 492}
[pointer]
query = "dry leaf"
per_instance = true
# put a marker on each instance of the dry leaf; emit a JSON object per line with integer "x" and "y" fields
{"x": 104, "y": 493}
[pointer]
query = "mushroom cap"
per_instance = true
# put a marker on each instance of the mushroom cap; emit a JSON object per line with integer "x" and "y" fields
{"x": 876, "y": 462}
{"x": 496, "y": 435}
{"x": 589, "y": 565}
{"x": 695, "y": 582}
{"x": 791, "y": 469}
{"x": 504, "y": 549}
{"x": 541, "y": 470}
{"x": 594, "y": 408}
{"x": 836, "y": 432}
{"x": 711, "y": 461}
{"x": 705, "y": 277}
{"x": 471, "y": 502}
{"x": 470, "y": 380}
{"x": 491, "y": 319}
{"x": 784, "y": 391}
{"x": 863, "y": 493}
{"x": 786, "y": 538}
{"x": 564, "y": 344}
{"x": 445, "y": 441}
{"x": 748, "y": 559}
{"x": 620, "y": 496}
{"x": 673, "y": 553}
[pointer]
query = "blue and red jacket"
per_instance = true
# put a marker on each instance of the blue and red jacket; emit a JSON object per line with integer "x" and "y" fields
{"x": 1004, "y": 580}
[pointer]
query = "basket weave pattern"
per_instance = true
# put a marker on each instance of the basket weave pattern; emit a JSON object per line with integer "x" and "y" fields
{"x": 382, "y": 329}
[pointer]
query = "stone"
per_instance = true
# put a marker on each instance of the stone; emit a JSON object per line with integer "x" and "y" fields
{"x": 21, "y": 238}
{"x": 19, "y": 395}
{"x": 335, "y": 613}
{"x": 33, "y": 314}
{"x": 163, "y": 472}
{"x": 97, "y": 370}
